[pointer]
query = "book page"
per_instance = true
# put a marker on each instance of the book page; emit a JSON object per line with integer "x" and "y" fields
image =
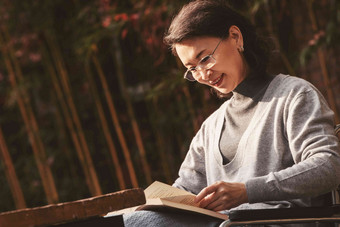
{"x": 167, "y": 192}
{"x": 159, "y": 195}
{"x": 154, "y": 204}
{"x": 121, "y": 212}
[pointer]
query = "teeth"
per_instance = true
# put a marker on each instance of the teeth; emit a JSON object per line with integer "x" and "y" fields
{"x": 216, "y": 81}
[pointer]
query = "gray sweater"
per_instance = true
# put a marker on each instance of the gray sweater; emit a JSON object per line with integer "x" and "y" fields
{"x": 239, "y": 112}
{"x": 288, "y": 155}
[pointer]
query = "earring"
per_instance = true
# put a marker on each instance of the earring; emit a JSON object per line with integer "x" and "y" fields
{"x": 241, "y": 49}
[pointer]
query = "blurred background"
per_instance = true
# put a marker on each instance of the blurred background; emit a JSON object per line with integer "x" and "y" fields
{"x": 92, "y": 101}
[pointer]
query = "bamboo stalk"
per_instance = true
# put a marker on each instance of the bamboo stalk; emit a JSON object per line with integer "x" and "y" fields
{"x": 50, "y": 69}
{"x": 50, "y": 179}
{"x": 284, "y": 58}
{"x": 191, "y": 108}
{"x": 120, "y": 73}
{"x": 165, "y": 159}
{"x": 39, "y": 155}
{"x": 105, "y": 128}
{"x": 189, "y": 102}
{"x": 179, "y": 139}
{"x": 323, "y": 65}
{"x": 94, "y": 184}
{"x": 62, "y": 134}
{"x": 183, "y": 150}
{"x": 115, "y": 120}
{"x": 11, "y": 176}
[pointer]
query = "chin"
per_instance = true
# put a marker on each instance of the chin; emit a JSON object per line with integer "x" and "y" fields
{"x": 221, "y": 94}
{"x": 223, "y": 91}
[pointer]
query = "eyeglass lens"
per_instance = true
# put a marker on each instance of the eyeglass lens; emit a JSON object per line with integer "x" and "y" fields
{"x": 206, "y": 63}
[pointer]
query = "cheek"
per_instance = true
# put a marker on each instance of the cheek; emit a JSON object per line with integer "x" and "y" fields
{"x": 232, "y": 64}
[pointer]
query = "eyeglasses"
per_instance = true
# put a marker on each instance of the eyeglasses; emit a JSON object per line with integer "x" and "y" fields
{"x": 206, "y": 62}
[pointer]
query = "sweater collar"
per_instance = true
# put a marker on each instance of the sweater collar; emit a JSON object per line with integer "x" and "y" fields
{"x": 250, "y": 87}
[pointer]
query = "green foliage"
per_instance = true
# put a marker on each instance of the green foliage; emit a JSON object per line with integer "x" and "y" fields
{"x": 328, "y": 36}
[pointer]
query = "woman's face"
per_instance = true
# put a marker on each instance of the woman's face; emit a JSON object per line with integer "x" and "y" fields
{"x": 230, "y": 68}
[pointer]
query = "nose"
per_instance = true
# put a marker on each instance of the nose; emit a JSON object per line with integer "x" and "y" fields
{"x": 205, "y": 74}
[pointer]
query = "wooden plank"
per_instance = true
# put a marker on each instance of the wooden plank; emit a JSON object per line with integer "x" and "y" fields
{"x": 71, "y": 211}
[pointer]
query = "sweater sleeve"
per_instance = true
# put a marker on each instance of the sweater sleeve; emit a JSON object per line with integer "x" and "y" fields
{"x": 315, "y": 151}
{"x": 192, "y": 175}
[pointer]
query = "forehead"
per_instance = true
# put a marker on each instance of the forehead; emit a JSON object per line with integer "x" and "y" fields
{"x": 185, "y": 47}
{"x": 188, "y": 49}
{"x": 196, "y": 43}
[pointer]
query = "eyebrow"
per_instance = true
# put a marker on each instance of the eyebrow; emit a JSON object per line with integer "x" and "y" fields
{"x": 198, "y": 56}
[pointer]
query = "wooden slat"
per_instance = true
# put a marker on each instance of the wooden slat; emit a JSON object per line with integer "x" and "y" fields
{"x": 70, "y": 211}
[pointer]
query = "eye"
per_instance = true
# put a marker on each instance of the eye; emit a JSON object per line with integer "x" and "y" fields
{"x": 192, "y": 69}
{"x": 203, "y": 60}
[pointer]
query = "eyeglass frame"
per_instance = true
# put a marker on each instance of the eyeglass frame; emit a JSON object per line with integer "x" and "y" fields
{"x": 189, "y": 74}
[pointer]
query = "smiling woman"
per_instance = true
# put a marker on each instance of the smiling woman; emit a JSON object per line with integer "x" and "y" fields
{"x": 271, "y": 145}
{"x": 223, "y": 76}
{"x": 220, "y": 23}
{"x": 205, "y": 63}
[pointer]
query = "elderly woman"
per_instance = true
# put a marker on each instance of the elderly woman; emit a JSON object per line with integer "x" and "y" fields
{"x": 272, "y": 144}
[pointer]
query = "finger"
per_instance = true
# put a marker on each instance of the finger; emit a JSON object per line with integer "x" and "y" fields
{"x": 217, "y": 203}
{"x": 208, "y": 200}
{"x": 206, "y": 191}
{"x": 219, "y": 208}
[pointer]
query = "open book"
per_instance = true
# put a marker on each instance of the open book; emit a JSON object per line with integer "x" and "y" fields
{"x": 162, "y": 195}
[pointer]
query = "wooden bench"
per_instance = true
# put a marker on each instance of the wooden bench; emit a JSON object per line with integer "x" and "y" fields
{"x": 76, "y": 213}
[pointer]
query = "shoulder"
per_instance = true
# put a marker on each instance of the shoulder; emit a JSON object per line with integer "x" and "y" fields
{"x": 288, "y": 83}
{"x": 295, "y": 95}
{"x": 291, "y": 87}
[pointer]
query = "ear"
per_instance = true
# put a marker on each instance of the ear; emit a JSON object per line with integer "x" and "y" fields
{"x": 236, "y": 34}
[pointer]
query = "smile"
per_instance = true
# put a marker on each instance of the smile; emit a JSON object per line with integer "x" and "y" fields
{"x": 215, "y": 82}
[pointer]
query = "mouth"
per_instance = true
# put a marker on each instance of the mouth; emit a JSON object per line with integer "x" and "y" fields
{"x": 217, "y": 81}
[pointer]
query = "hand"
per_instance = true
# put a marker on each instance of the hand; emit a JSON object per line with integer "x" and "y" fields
{"x": 222, "y": 196}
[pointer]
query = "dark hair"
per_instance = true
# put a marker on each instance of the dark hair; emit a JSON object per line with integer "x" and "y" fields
{"x": 214, "y": 18}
